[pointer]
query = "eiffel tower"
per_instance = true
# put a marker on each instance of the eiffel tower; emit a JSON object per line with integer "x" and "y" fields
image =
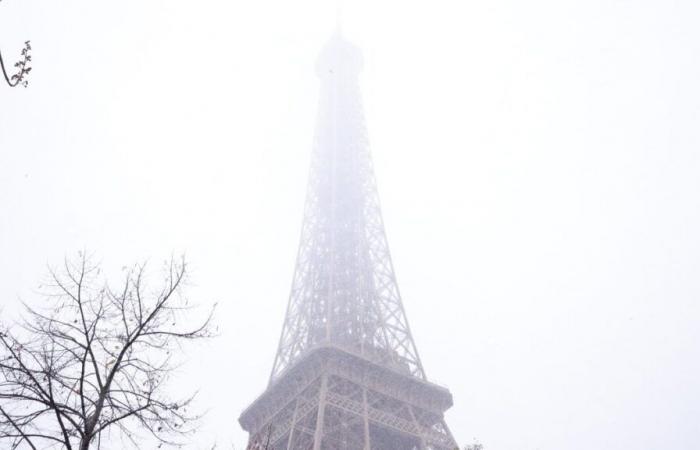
{"x": 347, "y": 373}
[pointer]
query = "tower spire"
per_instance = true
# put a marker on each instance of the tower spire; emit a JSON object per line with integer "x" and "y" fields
{"x": 339, "y": 17}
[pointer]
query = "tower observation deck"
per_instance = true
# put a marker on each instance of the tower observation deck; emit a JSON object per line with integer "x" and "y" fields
{"x": 347, "y": 374}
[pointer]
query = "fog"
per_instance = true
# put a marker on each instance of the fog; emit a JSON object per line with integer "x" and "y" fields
{"x": 537, "y": 163}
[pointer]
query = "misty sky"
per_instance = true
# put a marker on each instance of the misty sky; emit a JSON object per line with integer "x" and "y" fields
{"x": 538, "y": 164}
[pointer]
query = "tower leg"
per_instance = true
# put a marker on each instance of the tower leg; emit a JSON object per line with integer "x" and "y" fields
{"x": 419, "y": 427}
{"x": 366, "y": 419}
{"x": 294, "y": 424}
{"x": 318, "y": 434}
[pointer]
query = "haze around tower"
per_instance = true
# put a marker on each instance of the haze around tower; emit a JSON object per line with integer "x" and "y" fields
{"x": 537, "y": 164}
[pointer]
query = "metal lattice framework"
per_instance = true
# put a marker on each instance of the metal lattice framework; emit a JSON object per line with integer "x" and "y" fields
{"x": 347, "y": 373}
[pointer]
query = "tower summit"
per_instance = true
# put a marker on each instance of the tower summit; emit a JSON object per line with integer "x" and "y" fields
{"x": 347, "y": 373}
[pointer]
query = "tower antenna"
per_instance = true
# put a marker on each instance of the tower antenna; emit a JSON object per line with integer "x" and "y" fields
{"x": 339, "y": 17}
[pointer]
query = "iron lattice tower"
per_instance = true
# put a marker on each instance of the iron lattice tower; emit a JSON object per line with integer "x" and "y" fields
{"x": 347, "y": 373}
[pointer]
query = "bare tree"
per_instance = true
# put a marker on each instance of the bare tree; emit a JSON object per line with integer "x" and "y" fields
{"x": 475, "y": 446}
{"x": 22, "y": 67}
{"x": 97, "y": 359}
{"x": 261, "y": 441}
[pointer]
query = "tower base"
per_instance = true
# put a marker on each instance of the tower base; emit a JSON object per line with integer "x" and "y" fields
{"x": 332, "y": 399}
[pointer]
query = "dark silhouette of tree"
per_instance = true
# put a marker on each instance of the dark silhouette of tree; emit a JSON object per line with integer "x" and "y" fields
{"x": 475, "y": 446}
{"x": 22, "y": 67}
{"x": 97, "y": 359}
{"x": 262, "y": 441}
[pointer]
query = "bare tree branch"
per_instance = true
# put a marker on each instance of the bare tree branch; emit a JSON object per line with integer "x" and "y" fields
{"x": 22, "y": 66}
{"x": 97, "y": 359}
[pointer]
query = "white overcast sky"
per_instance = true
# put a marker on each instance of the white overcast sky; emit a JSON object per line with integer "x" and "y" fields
{"x": 538, "y": 163}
